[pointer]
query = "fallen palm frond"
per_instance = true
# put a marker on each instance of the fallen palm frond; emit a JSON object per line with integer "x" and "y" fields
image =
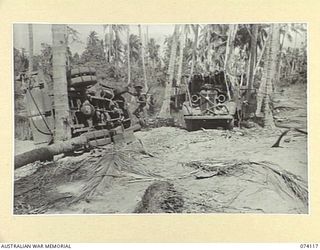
{"x": 262, "y": 176}
{"x": 277, "y": 143}
{"x": 294, "y": 182}
{"x": 119, "y": 162}
{"x": 33, "y": 192}
{"x": 215, "y": 167}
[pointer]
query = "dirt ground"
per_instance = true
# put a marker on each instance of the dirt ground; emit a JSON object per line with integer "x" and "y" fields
{"x": 198, "y": 172}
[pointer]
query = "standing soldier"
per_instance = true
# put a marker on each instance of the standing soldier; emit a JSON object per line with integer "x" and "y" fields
{"x": 141, "y": 100}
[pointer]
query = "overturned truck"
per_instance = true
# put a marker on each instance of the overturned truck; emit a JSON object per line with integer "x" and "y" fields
{"x": 210, "y": 102}
{"x": 89, "y": 109}
{"x": 96, "y": 115}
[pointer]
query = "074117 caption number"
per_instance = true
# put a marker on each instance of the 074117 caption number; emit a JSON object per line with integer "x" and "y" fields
{"x": 313, "y": 245}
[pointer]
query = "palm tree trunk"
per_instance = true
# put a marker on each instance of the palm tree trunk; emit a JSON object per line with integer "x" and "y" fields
{"x": 110, "y": 44}
{"x": 105, "y": 43}
{"x": 280, "y": 58}
{"x": 270, "y": 76}
{"x": 61, "y": 103}
{"x": 194, "y": 49}
{"x": 179, "y": 75}
{"x": 88, "y": 140}
{"x": 128, "y": 55}
{"x": 142, "y": 59}
{"x": 229, "y": 45}
{"x": 30, "y": 29}
{"x": 182, "y": 45}
{"x": 262, "y": 88}
{"x": 229, "y": 50}
{"x": 116, "y": 54}
{"x": 276, "y": 53}
{"x": 165, "y": 109}
{"x": 146, "y": 45}
{"x": 253, "y": 55}
{"x": 265, "y": 45}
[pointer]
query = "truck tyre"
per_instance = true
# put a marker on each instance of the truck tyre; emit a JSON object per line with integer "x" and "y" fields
{"x": 83, "y": 81}
{"x": 82, "y": 71}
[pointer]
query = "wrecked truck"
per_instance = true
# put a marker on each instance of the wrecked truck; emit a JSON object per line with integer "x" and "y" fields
{"x": 96, "y": 117}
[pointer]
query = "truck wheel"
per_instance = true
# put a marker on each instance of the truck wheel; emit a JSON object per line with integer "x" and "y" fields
{"x": 83, "y": 81}
{"x": 82, "y": 71}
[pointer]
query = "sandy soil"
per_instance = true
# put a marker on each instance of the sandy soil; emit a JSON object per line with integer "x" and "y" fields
{"x": 249, "y": 187}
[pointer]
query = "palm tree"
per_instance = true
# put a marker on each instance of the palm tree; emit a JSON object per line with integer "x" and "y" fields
{"x": 165, "y": 109}
{"x": 153, "y": 52}
{"x": 181, "y": 48}
{"x": 194, "y": 49}
{"x": 253, "y": 55}
{"x": 229, "y": 51}
{"x": 230, "y": 44}
{"x": 61, "y": 103}
{"x": 285, "y": 34}
{"x": 112, "y": 43}
{"x": 269, "y": 77}
{"x": 262, "y": 88}
{"x": 128, "y": 55}
{"x": 212, "y": 47}
{"x": 134, "y": 44}
{"x": 108, "y": 41}
{"x": 94, "y": 49}
{"x": 30, "y": 29}
{"x": 272, "y": 61}
{"x": 154, "y": 57}
{"x": 143, "y": 59}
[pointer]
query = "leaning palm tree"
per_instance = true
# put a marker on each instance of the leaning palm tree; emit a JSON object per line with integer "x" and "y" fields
{"x": 165, "y": 109}
{"x": 269, "y": 77}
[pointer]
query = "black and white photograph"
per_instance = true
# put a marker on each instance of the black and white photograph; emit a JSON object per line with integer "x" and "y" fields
{"x": 146, "y": 118}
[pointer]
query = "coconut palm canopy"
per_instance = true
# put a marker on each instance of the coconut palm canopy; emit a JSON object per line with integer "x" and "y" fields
{"x": 157, "y": 54}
